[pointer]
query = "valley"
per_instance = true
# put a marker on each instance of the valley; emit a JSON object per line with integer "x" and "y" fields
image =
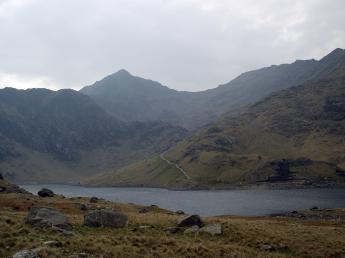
{"x": 280, "y": 126}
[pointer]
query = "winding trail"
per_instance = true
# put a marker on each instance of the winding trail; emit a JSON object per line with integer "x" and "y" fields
{"x": 176, "y": 165}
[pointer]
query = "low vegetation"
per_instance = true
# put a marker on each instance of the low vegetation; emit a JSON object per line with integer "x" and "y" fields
{"x": 146, "y": 234}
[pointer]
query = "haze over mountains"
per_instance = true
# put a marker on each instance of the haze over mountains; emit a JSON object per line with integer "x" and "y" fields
{"x": 110, "y": 126}
{"x": 132, "y": 98}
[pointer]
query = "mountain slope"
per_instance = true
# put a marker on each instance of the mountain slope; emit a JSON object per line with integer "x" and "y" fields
{"x": 296, "y": 135}
{"x": 135, "y": 99}
{"x": 132, "y": 98}
{"x": 63, "y": 135}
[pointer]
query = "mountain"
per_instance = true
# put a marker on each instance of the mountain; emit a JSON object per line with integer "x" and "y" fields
{"x": 59, "y": 136}
{"x": 131, "y": 98}
{"x": 295, "y": 137}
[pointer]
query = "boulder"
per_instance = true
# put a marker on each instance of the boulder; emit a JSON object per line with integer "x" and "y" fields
{"x": 93, "y": 199}
{"x": 193, "y": 229}
{"x": 47, "y": 218}
{"x": 190, "y": 221}
{"x": 44, "y": 192}
{"x": 213, "y": 229}
{"x": 105, "y": 218}
{"x": 180, "y": 212}
{"x": 26, "y": 254}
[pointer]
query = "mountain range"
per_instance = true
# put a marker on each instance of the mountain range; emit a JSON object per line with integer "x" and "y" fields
{"x": 56, "y": 136}
{"x": 280, "y": 123}
{"x": 294, "y": 136}
{"x": 131, "y": 98}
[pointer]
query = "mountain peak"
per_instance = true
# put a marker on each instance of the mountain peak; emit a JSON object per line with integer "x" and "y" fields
{"x": 122, "y": 72}
{"x": 335, "y": 54}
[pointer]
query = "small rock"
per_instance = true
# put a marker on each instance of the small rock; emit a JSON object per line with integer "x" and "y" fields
{"x": 193, "y": 229}
{"x": 53, "y": 243}
{"x": 26, "y": 254}
{"x": 1, "y": 177}
{"x": 143, "y": 210}
{"x": 62, "y": 231}
{"x": 172, "y": 230}
{"x": 44, "y": 192}
{"x": 282, "y": 246}
{"x": 180, "y": 212}
{"x": 2, "y": 189}
{"x": 315, "y": 208}
{"x": 105, "y": 218}
{"x": 213, "y": 229}
{"x": 145, "y": 226}
{"x": 189, "y": 221}
{"x": 93, "y": 199}
{"x": 82, "y": 207}
{"x": 267, "y": 247}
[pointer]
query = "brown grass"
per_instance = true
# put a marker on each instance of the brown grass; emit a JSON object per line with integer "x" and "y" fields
{"x": 242, "y": 237}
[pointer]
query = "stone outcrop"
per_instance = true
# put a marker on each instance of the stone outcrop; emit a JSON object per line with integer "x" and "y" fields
{"x": 47, "y": 218}
{"x": 190, "y": 221}
{"x": 106, "y": 218}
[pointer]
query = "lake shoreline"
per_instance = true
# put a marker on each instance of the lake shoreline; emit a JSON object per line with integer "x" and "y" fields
{"x": 259, "y": 186}
{"x": 238, "y": 202}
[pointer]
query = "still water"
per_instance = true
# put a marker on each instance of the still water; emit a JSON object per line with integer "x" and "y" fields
{"x": 210, "y": 203}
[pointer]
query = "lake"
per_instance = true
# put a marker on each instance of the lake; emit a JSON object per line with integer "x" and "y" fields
{"x": 210, "y": 203}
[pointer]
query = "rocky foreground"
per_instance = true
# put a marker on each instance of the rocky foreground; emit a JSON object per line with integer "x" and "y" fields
{"x": 51, "y": 225}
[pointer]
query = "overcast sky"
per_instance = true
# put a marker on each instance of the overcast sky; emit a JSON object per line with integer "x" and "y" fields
{"x": 184, "y": 44}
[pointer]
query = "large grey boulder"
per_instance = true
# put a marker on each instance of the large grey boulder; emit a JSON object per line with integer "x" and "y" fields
{"x": 105, "y": 218}
{"x": 189, "y": 221}
{"x": 192, "y": 229}
{"x": 44, "y": 192}
{"x": 213, "y": 229}
{"x": 47, "y": 217}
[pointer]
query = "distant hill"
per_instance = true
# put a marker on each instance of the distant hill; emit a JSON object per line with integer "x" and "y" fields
{"x": 59, "y": 136}
{"x": 295, "y": 136}
{"x": 131, "y": 98}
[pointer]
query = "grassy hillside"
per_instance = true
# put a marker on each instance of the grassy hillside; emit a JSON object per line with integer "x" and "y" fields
{"x": 296, "y": 136}
{"x": 146, "y": 234}
{"x": 63, "y": 136}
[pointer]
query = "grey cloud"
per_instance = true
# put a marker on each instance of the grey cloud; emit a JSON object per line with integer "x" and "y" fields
{"x": 185, "y": 44}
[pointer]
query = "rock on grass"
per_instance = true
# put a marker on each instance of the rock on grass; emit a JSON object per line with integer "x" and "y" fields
{"x": 189, "y": 221}
{"x": 47, "y": 217}
{"x": 106, "y": 218}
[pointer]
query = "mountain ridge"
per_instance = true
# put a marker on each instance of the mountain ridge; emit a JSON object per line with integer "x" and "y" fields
{"x": 293, "y": 137}
{"x": 63, "y": 135}
{"x": 147, "y": 100}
